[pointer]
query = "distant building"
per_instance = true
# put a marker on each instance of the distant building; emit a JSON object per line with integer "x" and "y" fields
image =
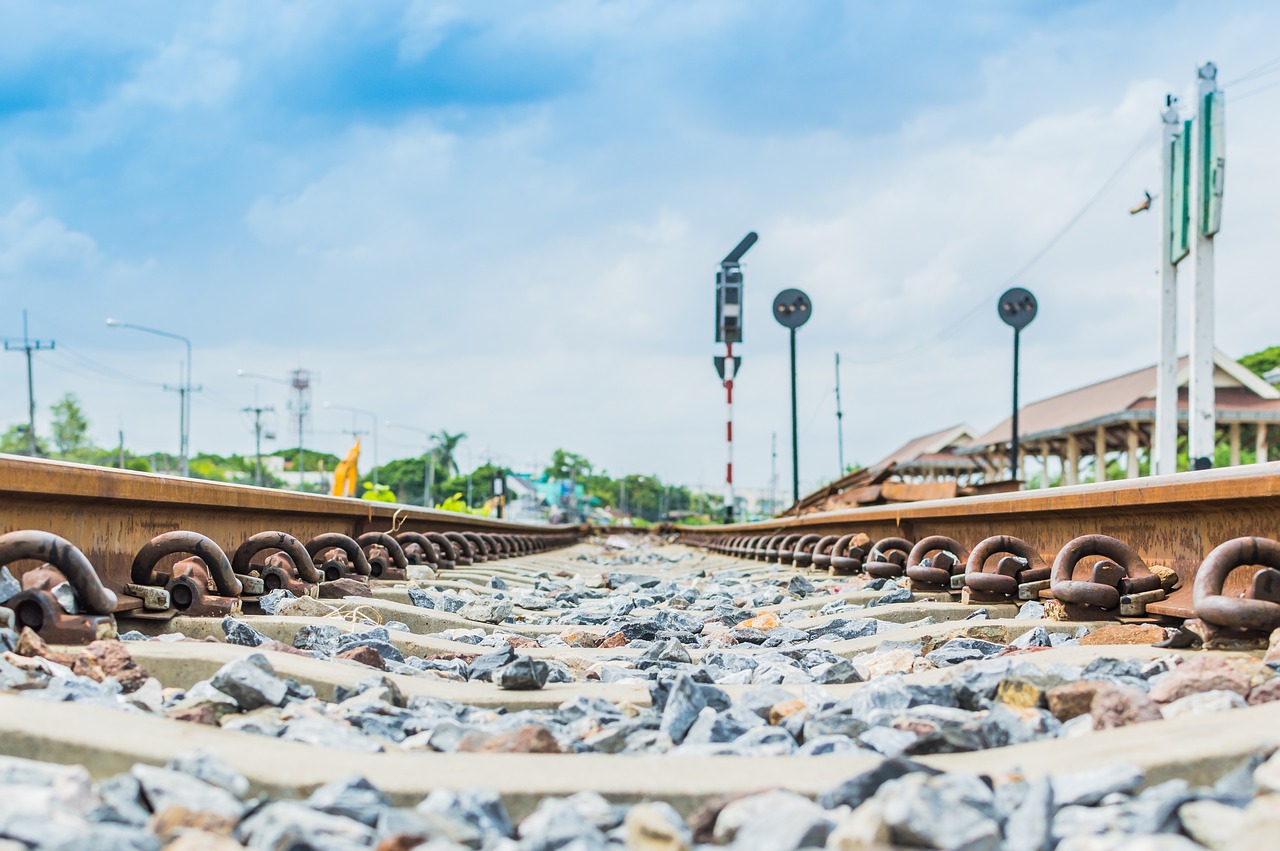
{"x": 1115, "y": 419}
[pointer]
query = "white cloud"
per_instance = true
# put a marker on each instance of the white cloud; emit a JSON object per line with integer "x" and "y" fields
{"x": 37, "y": 245}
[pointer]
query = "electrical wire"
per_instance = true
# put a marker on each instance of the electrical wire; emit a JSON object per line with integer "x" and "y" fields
{"x": 1266, "y": 68}
{"x": 1237, "y": 98}
{"x": 917, "y": 347}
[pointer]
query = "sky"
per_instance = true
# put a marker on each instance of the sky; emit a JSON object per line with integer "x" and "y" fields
{"x": 505, "y": 218}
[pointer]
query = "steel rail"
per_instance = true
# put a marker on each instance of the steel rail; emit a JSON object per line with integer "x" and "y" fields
{"x": 111, "y": 514}
{"x": 1175, "y": 521}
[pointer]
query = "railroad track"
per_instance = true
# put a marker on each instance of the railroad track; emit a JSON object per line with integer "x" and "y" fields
{"x": 1023, "y": 671}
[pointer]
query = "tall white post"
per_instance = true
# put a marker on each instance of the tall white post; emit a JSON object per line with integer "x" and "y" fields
{"x": 1166, "y": 432}
{"x": 1201, "y": 427}
{"x": 728, "y": 392}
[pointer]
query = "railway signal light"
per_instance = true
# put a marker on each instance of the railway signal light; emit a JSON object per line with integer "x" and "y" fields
{"x": 792, "y": 308}
{"x": 729, "y": 303}
{"x": 1017, "y": 307}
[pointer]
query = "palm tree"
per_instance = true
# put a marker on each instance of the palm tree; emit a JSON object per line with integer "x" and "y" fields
{"x": 446, "y": 445}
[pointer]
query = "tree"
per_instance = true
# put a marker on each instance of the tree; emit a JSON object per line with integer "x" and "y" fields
{"x": 446, "y": 445}
{"x": 14, "y": 441}
{"x": 567, "y": 466}
{"x": 70, "y": 428}
{"x": 1262, "y": 362}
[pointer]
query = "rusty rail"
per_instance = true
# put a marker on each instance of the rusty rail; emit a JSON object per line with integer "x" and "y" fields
{"x": 1172, "y": 521}
{"x": 110, "y": 515}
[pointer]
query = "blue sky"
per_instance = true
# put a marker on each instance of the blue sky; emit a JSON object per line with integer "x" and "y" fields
{"x": 504, "y": 218}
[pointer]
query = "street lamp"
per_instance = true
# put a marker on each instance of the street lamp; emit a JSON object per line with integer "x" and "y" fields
{"x": 374, "y": 418}
{"x": 184, "y": 392}
{"x": 429, "y": 471}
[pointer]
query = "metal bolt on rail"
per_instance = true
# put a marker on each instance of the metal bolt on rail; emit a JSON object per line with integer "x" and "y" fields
{"x": 188, "y": 580}
{"x": 1018, "y": 573}
{"x": 289, "y": 565}
{"x": 1254, "y": 611}
{"x": 1117, "y": 572}
{"x": 338, "y": 556}
{"x": 888, "y": 558}
{"x": 934, "y": 561}
{"x": 36, "y": 606}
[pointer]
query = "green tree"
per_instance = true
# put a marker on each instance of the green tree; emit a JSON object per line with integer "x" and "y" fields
{"x": 14, "y": 441}
{"x": 1262, "y": 362}
{"x": 446, "y": 446}
{"x": 70, "y": 427}
{"x": 567, "y": 466}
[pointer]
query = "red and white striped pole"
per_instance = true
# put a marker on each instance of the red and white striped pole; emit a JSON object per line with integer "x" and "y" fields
{"x": 728, "y": 390}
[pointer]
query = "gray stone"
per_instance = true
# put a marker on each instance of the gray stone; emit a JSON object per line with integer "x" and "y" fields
{"x": 959, "y": 650}
{"x": 67, "y": 599}
{"x": 1203, "y": 703}
{"x": 487, "y": 610}
{"x": 270, "y": 601}
{"x": 953, "y": 811}
{"x": 840, "y": 673}
{"x": 783, "y": 821}
{"x": 1090, "y": 787}
{"x": 122, "y": 802}
{"x": 251, "y": 682}
{"x": 524, "y": 673}
{"x": 1030, "y": 610}
{"x": 901, "y": 595}
{"x": 421, "y": 599}
{"x": 208, "y": 767}
{"x": 8, "y": 585}
{"x": 857, "y": 789}
{"x": 1038, "y": 637}
{"x": 239, "y": 632}
{"x": 352, "y": 797}
{"x": 294, "y": 825}
{"x": 480, "y": 808}
{"x": 484, "y": 667}
{"x": 163, "y": 788}
{"x": 330, "y": 734}
{"x": 1028, "y": 827}
{"x": 319, "y": 638}
{"x": 557, "y": 822}
{"x": 684, "y": 702}
{"x": 887, "y": 740}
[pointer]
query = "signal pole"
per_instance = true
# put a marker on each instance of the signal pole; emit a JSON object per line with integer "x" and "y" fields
{"x": 28, "y": 346}
{"x": 729, "y": 331}
{"x": 1209, "y": 164}
{"x": 839, "y": 418}
{"x": 773, "y": 473}
{"x": 1165, "y": 449}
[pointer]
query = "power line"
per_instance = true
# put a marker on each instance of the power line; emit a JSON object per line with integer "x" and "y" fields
{"x": 1256, "y": 91}
{"x": 1269, "y": 67}
{"x": 918, "y": 346}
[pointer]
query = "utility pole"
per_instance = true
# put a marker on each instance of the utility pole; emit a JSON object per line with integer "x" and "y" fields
{"x": 120, "y": 450}
{"x": 773, "y": 473}
{"x": 1209, "y": 165}
{"x": 184, "y": 391}
{"x": 257, "y": 411}
{"x": 1174, "y": 212}
{"x": 28, "y": 346}
{"x": 839, "y": 418}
